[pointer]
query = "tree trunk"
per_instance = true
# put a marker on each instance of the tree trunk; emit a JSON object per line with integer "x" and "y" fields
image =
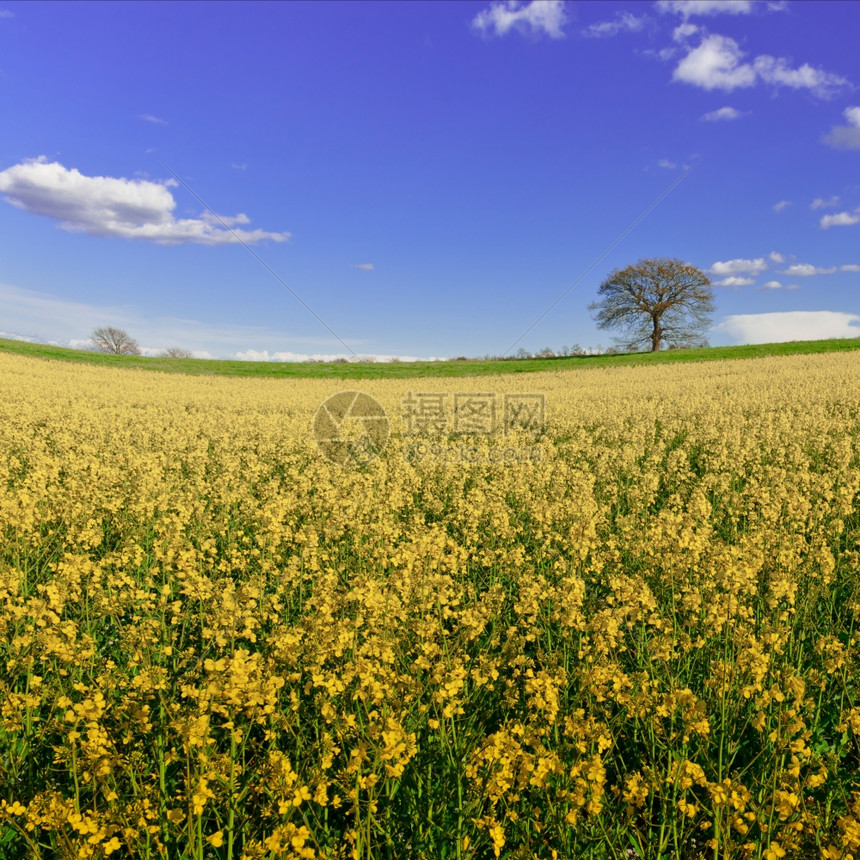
{"x": 656, "y": 335}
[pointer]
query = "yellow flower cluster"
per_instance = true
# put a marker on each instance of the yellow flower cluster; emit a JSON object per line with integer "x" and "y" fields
{"x": 216, "y": 643}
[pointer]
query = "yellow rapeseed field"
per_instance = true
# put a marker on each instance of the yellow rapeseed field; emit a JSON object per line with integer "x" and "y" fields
{"x": 636, "y": 640}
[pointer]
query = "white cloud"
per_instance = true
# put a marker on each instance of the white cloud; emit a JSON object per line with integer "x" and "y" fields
{"x": 850, "y": 267}
{"x": 622, "y": 22}
{"x": 683, "y": 32}
{"x": 840, "y": 219}
{"x": 771, "y": 285}
{"x": 239, "y": 166}
{"x": 538, "y": 16}
{"x": 669, "y": 165}
{"x": 716, "y": 65}
{"x": 739, "y": 266}
{"x": 846, "y": 136}
{"x": 789, "y": 325}
{"x": 783, "y": 204}
{"x": 365, "y": 267}
{"x": 224, "y": 220}
{"x": 776, "y": 71}
{"x": 153, "y": 119}
{"x": 722, "y": 114}
{"x": 6, "y": 13}
{"x": 821, "y": 203}
{"x": 688, "y": 8}
{"x": 151, "y": 351}
{"x": 46, "y": 318}
{"x": 127, "y": 208}
{"x": 734, "y": 281}
{"x": 265, "y": 355}
{"x": 775, "y": 257}
{"x": 805, "y": 270}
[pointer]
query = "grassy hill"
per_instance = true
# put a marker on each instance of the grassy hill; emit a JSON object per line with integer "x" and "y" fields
{"x": 403, "y": 370}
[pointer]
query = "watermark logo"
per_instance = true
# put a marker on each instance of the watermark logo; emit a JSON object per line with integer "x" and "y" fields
{"x": 424, "y": 449}
{"x": 351, "y": 429}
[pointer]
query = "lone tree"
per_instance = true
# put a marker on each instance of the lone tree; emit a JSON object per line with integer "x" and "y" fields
{"x": 175, "y": 352}
{"x": 114, "y": 340}
{"x": 656, "y": 300}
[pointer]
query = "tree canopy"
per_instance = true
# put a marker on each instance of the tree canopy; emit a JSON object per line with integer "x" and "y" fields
{"x": 655, "y": 301}
{"x": 114, "y": 340}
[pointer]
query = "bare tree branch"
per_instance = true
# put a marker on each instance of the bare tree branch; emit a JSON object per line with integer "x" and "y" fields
{"x": 115, "y": 341}
{"x": 656, "y": 300}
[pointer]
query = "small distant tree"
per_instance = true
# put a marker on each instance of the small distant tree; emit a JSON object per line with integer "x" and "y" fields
{"x": 654, "y": 300}
{"x": 175, "y": 352}
{"x": 114, "y": 340}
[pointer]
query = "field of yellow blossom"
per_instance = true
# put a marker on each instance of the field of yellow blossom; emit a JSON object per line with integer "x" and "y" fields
{"x": 638, "y": 641}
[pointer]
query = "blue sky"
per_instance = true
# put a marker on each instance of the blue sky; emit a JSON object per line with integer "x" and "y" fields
{"x": 424, "y": 179}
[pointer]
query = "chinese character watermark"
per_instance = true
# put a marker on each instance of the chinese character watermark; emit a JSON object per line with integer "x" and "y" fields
{"x": 471, "y": 413}
{"x": 524, "y": 412}
{"x": 475, "y": 413}
{"x": 352, "y": 429}
{"x": 424, "y": 414}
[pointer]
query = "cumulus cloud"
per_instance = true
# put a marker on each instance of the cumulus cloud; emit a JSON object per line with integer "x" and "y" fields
{"x": 840, "y": 219}
{"x": 789, "y": 325}
{"x": 683, "y": 32}
{"x": 850, "y": 267}
{"x": 688, "y": 8}
{"x": 776, "y": 71}
{"x": 126, "y": 208}
{"x": 805, "y": 270}
{"x": 734, "y": 281}
{"x": 783, "y": 204}
{"x": 153, "y": 119}
{"x": 536, "y": 17}
{"x": 716, "y": 64}
{"x": 846, "y": 136}
{"x": 722, "y": 114}
{"x": 622, "y": 22}
{"x": 669, "y": 165}
{"x": 365, "y": 267}
{"x": 739, "y": 266}
{"x": 775, "y": 257}
{"x": 821, "y": 203}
